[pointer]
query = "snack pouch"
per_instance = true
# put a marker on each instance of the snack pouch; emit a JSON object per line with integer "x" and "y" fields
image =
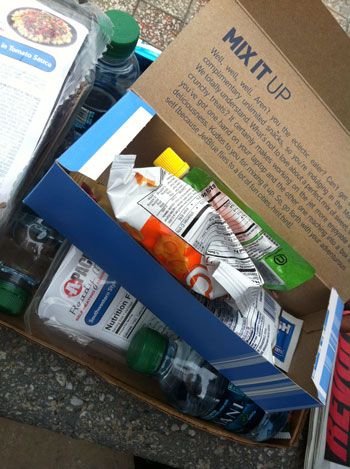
{"x": 265, "y": 327}
{"x": 281, "y": 267}
{"x": 182, "y": 231}
{"x": 258, "y": 327}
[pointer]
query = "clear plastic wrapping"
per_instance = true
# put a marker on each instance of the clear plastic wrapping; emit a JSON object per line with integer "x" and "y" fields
{"x": 79, "y": 301}
{"x": 100, "y": 32}
{"x": 43, "y": 82}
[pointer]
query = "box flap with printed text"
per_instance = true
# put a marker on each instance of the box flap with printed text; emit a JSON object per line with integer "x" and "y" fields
{"x": 258, "y": 107}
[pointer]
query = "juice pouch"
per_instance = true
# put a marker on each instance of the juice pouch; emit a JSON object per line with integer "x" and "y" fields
{"x": 281, "y": 267}
{"x": 182, "y": 231}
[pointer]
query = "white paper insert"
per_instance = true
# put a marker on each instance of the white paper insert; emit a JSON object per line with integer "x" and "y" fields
{"x": 32, "y": 73}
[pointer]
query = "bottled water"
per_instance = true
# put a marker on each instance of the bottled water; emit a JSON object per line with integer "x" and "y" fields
{"x": 194, "y": 387}
{"x": 116, "y": 71}
{"x": 27, "y": 249}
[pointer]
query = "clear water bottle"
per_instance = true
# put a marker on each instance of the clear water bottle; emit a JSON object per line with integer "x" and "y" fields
{"x": 15, "y": 290}
{"x": 194, "y": 387}
{"x": 116, "y": 71}
{"x": 26, "y": 252}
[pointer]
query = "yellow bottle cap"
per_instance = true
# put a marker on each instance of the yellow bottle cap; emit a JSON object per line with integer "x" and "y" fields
{"x": 172, "y": 163}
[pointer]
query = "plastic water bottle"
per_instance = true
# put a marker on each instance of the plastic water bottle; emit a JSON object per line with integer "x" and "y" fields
{"x": 116, "y": 71}
{"x": 194, "y": 387}
{"x": 27, "y": 249}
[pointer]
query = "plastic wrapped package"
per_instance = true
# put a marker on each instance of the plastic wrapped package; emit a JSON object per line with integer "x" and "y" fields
{"x": 45, "y": 69}
{"x": 48, "y": 52}
{"x": 79, "y": 301}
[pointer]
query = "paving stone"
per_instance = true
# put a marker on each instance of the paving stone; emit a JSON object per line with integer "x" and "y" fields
{"x": 125, "y": 5}
{"x": 25, "y": 447}
{"x": 340, "y": 9}
{"x": 196, "y": 5}
{"x": 118, "y": 421}
{"x": 177, "y": 8}
{"x": 157, "y": 27}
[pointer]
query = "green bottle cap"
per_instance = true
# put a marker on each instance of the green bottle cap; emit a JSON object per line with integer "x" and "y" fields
{"x": 14, "y": 294}
{"x": 146, "y": 351}
{"x": 125, "y": 36}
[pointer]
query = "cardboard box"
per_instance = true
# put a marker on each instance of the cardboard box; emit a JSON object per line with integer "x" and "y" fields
{"x": 241, "y": 94}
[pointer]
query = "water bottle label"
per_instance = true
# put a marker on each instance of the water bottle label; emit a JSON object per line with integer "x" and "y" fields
{"x": 34, "y": 235}
{"x": 96, "y": 105}
{"x": 8, "y": 270}
{"x": 85, "y": 118}
{"x": 236, "y": 412}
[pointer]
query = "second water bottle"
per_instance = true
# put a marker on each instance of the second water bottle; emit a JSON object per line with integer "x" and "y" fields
{"x": 192, "y": 386}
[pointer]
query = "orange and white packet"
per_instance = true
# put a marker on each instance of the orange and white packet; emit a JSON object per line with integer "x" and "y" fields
{"x": 182, "y": 231}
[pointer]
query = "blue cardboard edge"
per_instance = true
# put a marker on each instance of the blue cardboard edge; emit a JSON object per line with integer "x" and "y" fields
{"x": 83, "y": 149}
{"x": 327, "y": 351}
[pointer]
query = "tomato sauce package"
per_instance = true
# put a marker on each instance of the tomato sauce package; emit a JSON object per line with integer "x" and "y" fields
{"x": 182, "y": 231}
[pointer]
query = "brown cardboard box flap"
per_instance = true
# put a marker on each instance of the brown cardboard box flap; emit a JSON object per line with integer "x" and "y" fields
{"x": 230, "y": 86}
{"x": 314, "y": 43}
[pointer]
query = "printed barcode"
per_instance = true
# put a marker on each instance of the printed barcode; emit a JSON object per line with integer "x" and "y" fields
{"x": 272, "y": 241}
{"x": 82, "y": 116}
{"x": 269, "y": 306}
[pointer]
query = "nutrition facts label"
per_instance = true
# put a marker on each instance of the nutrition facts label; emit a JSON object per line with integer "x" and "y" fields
{"x": 244, "y": 227}
{"x": 186, "y": 213}
{"x": 83, "y": 301}
{"x": 257, "y": 327}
